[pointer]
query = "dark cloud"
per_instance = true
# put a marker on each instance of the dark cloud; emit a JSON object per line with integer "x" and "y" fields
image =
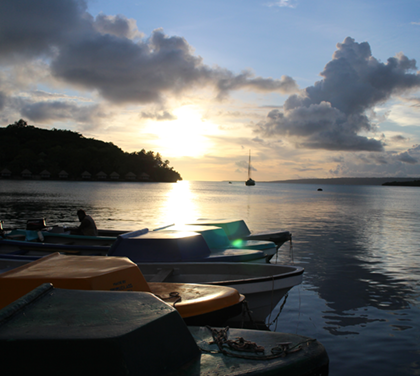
{"x": 398, "y": 138}
{"x": 3, "y": 98}
{"x": 31, "y": 28}
{"x": 98, "y": 54}
{"x": 407, "y": 158}
{"x": 159, "y": 116}
{"x": 60, "y": 111}
{"x": 331, "y": 114}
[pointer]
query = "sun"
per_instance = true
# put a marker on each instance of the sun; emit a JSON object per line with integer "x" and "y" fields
{"x": 184, "y": 137}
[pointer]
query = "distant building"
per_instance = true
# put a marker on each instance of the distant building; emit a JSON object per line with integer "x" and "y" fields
{"x": 101, "y": 175}
{"x": 144, "y": 177}
{"x": 5, "y": 173}
{"x": 63, "y": 175}
{"x": 130, "y": 176}
{"x": 26, "y": 174}
{"x": 45, "y": 174}
{"x": 114, "y": 176}
{"x": 86, "y": 175}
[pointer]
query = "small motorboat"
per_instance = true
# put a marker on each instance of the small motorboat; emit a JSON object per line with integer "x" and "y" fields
{"x": 54, "y": 331}
{"x": 217, "y": 239}
{"x": 140, "y": 246}
{"x": 197, "y": 304}
{"x": 237, "y": 229}
{"x": 263, "y": 285}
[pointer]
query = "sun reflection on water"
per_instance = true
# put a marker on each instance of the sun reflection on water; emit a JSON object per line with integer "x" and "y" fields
{"x": 181, "y": 205}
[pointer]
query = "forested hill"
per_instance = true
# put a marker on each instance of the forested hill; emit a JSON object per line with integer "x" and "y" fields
{"x": 62, "y": 153}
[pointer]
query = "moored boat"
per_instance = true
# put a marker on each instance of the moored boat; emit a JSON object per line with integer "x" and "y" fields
{"x": 263, "y": 285}
{"x": 140, "y": 246}
{"x": 86, "y": 332}
{"x": 237, "y": 229}
{"x": 217, "y": 239}
{"x": 197, "y": 303}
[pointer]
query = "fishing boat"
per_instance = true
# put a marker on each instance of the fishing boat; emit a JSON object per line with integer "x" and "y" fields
{"x": 54, "y": 331}
{"x": 196, "y": 303}
{"x": 250, "y": 181}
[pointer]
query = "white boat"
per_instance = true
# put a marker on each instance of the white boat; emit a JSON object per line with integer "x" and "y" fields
{"x": 263, "y": 285}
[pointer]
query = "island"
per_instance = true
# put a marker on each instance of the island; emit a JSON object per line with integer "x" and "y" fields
{"x": 28, "y": 152}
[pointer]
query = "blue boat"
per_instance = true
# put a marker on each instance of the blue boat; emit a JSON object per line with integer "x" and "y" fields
{"x": 217, "y": 239}
{"x": 140, "y": 246}
{"x": 54, "y": 331}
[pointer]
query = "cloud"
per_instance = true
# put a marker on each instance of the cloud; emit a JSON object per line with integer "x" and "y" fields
{"x": 49, "y": 111}
{"x": 243, "y": 165}
{"x": 106, "y": 55}
{"x": 407, "y": 158}
{"x": 283, "y": 4}
{"x": 118, "y": 25}
{"x": 164, "y": 115}
{"x": 29, "y": 28}
{"x": 331, "y": 114}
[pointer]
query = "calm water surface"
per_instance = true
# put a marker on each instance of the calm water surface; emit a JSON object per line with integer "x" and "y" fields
{"x": 360, "y": 246}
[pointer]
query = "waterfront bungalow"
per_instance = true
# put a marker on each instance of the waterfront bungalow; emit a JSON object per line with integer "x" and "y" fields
{"x": 101, "y": 175}
{"x": 5, "y": 173}
{"x": 144, "y": 177}
{"x": 63, "y": 175}
{"x": 26, "y": 174}
{"x": 114, "y": 176}
{"x": 45, "y": 174}
{"x": 130, "y": 176}
{"x": 86, "y": 175}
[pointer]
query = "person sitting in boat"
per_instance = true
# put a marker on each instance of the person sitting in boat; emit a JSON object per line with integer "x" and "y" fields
{"x": 87, "y": 225}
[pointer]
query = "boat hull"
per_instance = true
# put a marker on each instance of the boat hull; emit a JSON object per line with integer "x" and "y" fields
{"x": 263, "y": 285}
{"x": 214, "y": 304}
{"x": 147, "y": 337}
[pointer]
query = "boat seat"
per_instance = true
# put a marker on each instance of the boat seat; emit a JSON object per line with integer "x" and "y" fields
{"x": 162, "y": 274}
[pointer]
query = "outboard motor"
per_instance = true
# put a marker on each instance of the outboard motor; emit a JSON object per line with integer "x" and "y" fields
{"x": 36, "y": 224}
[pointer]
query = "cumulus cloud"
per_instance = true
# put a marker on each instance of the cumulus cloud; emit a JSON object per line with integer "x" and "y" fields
{"x": 105, "y": 55}
{"x": 29, "y": 29}
{"x": 118, "y": 25}
{"x": 331, "y": 114}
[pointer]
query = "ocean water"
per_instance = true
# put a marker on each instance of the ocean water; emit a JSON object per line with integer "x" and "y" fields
{"x": 359, "y": 245}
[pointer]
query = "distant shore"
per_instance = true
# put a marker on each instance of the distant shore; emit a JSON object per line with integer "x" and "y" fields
{"x": 353, "y": 181}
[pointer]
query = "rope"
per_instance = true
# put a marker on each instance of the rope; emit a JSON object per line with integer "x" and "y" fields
{"x": 172, "y": 295}
{"x": 281, "y": 309}
{"x": 240, "y": 344}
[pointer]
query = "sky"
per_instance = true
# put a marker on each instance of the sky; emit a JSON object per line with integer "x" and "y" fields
{"x": 311, "y": 88}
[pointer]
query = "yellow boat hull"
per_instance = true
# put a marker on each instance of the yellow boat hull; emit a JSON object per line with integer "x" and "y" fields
{"x": 114, "y": 274}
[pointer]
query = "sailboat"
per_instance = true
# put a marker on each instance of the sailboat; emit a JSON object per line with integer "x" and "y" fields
{"x": 249, "y": 181}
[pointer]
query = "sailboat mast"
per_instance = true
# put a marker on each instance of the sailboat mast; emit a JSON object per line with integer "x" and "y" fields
{"x": 249, "y": 165}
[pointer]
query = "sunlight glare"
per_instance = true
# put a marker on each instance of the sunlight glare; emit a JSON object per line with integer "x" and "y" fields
{"x": 185, "y": 136}
{"x": 180, "y": 205}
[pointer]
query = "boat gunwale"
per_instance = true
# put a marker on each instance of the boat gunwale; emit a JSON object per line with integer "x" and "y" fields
{"x": 299, "y": 270}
